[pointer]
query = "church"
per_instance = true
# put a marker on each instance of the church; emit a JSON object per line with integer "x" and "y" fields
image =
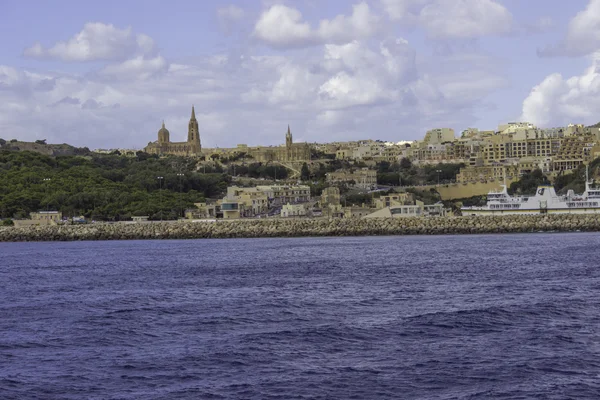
{"x": 164, "y": 146}
{"x": 290, "y": 152}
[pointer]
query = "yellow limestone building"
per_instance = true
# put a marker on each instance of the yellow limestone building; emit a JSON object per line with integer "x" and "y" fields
{"x": 164, "y": 145}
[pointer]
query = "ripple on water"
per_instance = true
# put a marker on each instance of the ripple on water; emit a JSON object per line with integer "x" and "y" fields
{"x": 446, "y": 317}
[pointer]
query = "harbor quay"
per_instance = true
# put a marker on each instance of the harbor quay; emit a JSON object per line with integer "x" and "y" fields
{"x": 305, "y": 228}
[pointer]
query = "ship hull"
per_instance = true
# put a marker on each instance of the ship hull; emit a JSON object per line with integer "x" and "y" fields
{"x": 480, "y": 212}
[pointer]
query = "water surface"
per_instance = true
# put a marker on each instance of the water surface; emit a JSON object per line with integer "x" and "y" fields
{"x": 442, "y": 317}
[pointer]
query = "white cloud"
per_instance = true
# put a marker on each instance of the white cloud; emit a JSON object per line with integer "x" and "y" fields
{"x": 135, "y": 68}
{"x": 465, "y": 19}
{"x": 229, "y": 16}
{"x": 97, "y": 41}
{"x": 451, "y": 19}
{"x": 404, "y": 11}
{"x": 583, "y": 34}
{"x": 557, "y": 101}
{"x": 282, "y": 27}
{"x": 363, "y": 76}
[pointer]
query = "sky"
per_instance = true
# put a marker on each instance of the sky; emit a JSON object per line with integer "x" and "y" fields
{"x": 106, "y": 74}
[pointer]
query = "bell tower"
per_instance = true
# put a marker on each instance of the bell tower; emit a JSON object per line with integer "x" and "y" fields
{"x": 288, "y": 138}
{"x": 194, "y": 134}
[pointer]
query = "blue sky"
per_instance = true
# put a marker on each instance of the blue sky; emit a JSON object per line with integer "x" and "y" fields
{"x": 105, "y": 74}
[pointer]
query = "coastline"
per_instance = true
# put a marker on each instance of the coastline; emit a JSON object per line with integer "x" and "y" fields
{"x": 305, "y": 228}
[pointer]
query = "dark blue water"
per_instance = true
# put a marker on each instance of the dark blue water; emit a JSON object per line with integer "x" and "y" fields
{"x": 444, "y": 317}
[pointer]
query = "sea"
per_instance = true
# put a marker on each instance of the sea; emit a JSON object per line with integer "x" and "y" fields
{"x": 407, "y": 317}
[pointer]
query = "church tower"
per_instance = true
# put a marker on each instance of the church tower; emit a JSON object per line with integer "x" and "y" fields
{"x": 194, "y": 134}
{"x": 288, "y": 139}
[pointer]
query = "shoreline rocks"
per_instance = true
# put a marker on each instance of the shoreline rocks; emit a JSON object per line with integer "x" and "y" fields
{"x": 267, "y": 228}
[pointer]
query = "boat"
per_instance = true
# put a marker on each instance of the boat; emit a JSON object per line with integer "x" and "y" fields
{"x": 544, "y": 201}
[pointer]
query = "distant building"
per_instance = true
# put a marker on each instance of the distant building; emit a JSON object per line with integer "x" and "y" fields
{"x": 202, "y": 211}
{"x": 364, "y": 178}
{"x": 295, "y": 210}
{"x": 40, "y": 218}
{"x": 417, "y": 210}
{"x": 248, "y": 202}
{"x": 164, "y": 146}
{"x": 290, "y": 153}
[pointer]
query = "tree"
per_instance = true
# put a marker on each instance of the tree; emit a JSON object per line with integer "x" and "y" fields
{"x": 103, "y": 187}
{"x": 42, "y": 141}
{"x": 305, "y": 172}
{"x": 529, "y": 182}
{"x": 405, "y": 163}
{"x": 2, "y": 142}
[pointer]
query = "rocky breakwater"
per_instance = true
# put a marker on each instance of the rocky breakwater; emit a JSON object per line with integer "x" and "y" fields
{"x": 304, "y": 227}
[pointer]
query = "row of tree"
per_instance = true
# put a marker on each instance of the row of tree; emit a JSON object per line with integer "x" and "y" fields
{"x": 103, "y": 187}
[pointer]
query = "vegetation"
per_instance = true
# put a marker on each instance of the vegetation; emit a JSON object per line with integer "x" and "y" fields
{"x": 528, "y": 183}
{"x": 430, "y": 196}
{"x": 103, "y": 187}
{"x": 405, "y": 174}
{"x": 259, "y": 170}
{"x": 320, "y": 155}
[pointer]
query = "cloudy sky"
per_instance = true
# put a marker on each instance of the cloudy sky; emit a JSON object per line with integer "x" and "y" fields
{"x": 105, "y": 74}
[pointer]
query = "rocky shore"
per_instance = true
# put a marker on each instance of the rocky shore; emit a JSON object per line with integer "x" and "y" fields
{"x": 304, "y": 227}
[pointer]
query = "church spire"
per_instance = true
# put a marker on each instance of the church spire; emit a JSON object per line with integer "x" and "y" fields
{"x": 289, "y": 130}
{"x": 193, "y": 118}
{"x": 163, "y": 123}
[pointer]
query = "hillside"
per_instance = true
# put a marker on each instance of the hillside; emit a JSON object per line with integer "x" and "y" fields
{"x": 102, "y": 187}
{"x": 41, "y": 147}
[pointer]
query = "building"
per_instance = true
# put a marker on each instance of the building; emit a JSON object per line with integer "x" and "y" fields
{"x": 331, "y": 202}
{"x": 249, "y": 202}
{"x": 417, "y": 210}
{"x": 487, "y": 173}
{"x": 202, "y": 211}
{"x": 279, "y": 195}
{"x": 40, "y": 218}
{"x": 394, "y": 199}
{"x": 364, "y": 178}
{"x": 289, "y": 153}
{"x": 357, "y": 212}
{"x": 330, "y": 195}
{"x": 439, "y": 136}
{"x": 164, "y": 146}
{"x": 295, "y": 210}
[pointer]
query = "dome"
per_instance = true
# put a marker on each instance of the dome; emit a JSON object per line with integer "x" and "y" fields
{"x": 163, "y": 129}
{"x": 163, "y": 133}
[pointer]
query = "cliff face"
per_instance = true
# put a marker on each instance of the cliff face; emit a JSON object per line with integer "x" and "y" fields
{"x": 47, "y": 149}
{"x": 305, "y": 227}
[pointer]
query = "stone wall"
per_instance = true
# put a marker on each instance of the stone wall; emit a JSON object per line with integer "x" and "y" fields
{"x": 305, "y": 227}
{"x": 466, "y": 190}
{"x": 452, "y": 191}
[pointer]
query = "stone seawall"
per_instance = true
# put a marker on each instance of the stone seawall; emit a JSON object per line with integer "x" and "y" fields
{"x": 304, "y": 227}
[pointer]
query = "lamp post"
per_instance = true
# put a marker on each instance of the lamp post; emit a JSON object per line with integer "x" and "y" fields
{"x": 180, "y": 193}
{"x": 439, "y": 171}
{"x": 160, "y": 179}
{"x": 47, "y": 180}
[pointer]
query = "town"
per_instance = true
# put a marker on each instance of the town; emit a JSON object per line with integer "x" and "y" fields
{"x": 355, "y": 179}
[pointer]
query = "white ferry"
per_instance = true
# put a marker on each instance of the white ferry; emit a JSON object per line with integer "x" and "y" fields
{"x": 545, "y": 201}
